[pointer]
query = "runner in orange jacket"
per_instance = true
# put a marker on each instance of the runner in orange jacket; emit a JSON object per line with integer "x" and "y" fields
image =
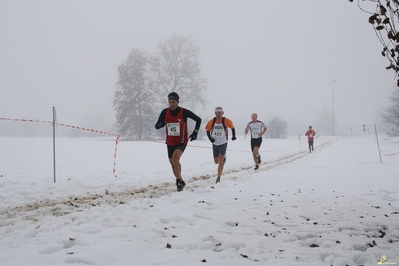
{"x": 216, "y": 130}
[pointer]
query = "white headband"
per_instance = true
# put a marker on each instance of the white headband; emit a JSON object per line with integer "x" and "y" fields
{"x": 219, "y": 110}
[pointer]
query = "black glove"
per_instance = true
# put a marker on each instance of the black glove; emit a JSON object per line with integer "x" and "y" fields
{"x": 193, "y": 136}
{"x": 212, "y": 140}
{"x": 160, "y": 124}
{"x": 233, "y": 131}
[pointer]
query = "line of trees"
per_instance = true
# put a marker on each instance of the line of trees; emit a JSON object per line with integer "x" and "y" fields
{"x": 145, "y": 80}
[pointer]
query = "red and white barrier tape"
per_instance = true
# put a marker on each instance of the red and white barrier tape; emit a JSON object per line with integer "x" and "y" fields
{"x": 100, "y": 132}
{"x": 392, "y": 148}
{"x": 386, "y": 154}
{"x": 116, "y": 148}
{"x": 25, "y": 120}
{"x": 74, "y": 127}
{"x": 87, "y": 129}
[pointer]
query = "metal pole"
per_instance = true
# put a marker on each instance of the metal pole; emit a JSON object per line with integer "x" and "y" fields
{"x": 299, "y": 138}
{"x": 54, "y": 121}
{"x": 378, "y": 144}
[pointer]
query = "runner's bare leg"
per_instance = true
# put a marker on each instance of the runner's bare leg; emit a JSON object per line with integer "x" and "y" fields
{"x": 175, "y": 162}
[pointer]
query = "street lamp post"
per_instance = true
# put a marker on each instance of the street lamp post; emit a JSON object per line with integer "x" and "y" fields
{"x": 333, "y": 111}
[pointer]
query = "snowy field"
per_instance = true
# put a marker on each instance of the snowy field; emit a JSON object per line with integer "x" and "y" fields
{"x": 336, "y": 206}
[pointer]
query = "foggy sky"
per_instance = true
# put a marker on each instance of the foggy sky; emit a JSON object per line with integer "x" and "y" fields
{"x": 270, "y": 57}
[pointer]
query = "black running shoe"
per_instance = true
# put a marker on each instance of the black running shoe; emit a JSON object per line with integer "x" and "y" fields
{"x": 259, "y": 160}
{"x": 180, "y": 184}
{"x": 256, "y": 167}
{"x": 217, "y": 180}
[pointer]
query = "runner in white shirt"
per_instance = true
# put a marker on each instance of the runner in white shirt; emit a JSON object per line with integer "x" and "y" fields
{"x": 257, "y": 129}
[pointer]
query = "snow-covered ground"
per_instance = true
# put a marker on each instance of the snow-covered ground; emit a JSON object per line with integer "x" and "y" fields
{"x": 336, "y": 206}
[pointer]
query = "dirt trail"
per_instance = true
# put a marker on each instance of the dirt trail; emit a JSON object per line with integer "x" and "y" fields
{"x": 58, "y": 207}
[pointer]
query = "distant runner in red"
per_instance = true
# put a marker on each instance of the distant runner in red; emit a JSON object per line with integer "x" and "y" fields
{"x": 310, "y": 133}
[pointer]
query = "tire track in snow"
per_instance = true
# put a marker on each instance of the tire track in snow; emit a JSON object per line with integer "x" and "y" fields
{"x": 265, "y": 166}
{"x": 59, "y": 207}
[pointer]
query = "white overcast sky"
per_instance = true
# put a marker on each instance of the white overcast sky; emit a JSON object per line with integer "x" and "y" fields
{"x": 271, "y": 57}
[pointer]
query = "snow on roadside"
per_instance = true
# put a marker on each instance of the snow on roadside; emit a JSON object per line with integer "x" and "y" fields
{"x": 337, "y": 206}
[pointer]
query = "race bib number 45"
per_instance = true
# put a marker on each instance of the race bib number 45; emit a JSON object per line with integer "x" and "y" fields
{"x": 173, "y": 129}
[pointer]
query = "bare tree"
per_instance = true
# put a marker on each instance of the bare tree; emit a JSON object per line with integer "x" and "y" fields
{"x": 145, "y": 81}
{"x": 385, "y": 24}
{"x": 133, "y": 99}
{"x": 391, "y": 115}
{"x": 276, "y": 128}
{"x": 176, "y": 68}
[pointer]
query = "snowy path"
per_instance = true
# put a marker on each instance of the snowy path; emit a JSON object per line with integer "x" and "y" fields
{"x": 336, "y": 206}
{"x": 58, "y": 207}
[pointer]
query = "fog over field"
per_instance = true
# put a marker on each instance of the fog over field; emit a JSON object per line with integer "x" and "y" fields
{"x": 300, "y": 60}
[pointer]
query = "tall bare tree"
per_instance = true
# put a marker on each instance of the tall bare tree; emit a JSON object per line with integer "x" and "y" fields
{"x": 176, "y": 68}
{"x": 384, "y": 19}
{"x": 133, "y": 100}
